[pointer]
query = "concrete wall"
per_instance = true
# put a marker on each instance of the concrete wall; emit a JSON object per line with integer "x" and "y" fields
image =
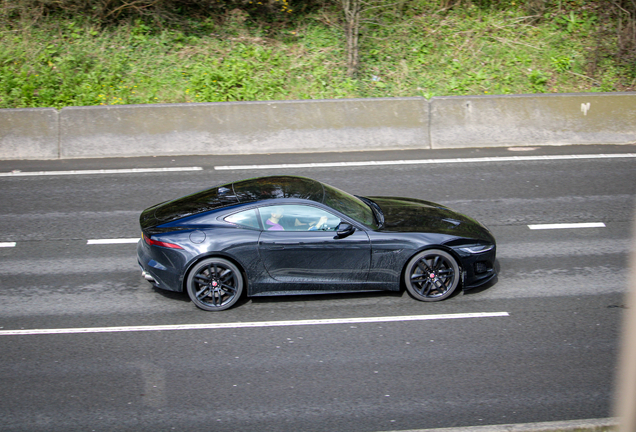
{"x": 29, "y": 133}
{"x": 243, "y": 127}
{"x": 490, "y": 121}
{"x": 317, "y": 126}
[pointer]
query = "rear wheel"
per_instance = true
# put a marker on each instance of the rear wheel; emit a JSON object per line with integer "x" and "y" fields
{"x": 214, "y": 284}
{"x": 432, "y": 275}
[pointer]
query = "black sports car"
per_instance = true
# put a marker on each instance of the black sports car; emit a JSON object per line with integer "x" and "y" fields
{"x": 284, "y": 235}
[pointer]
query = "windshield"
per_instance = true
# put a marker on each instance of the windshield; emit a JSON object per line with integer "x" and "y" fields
{"x": 350, "y": 205}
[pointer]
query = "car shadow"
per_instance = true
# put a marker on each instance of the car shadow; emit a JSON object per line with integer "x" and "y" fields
{"x": 290, "y": 298}
{"x": 315, "y": 297}
{"x": 172, "y": 295}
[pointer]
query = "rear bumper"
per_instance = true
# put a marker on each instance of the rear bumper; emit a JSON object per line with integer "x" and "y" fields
{"x": 156, "y": 269}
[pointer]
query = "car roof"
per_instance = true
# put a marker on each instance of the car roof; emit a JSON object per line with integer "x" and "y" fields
{"x": 271, "y": 187}
{"x": 250, "y": 190}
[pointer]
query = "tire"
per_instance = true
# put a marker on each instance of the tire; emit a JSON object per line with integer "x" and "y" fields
{"x": 432, "y": 275}
{"x": 214, "y": 284}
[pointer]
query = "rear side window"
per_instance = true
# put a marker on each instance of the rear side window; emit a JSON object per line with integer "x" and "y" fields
{"x": 244, "y": 219}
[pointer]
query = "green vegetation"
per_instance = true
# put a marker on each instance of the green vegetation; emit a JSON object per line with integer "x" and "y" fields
{"x": 58, "y": 57}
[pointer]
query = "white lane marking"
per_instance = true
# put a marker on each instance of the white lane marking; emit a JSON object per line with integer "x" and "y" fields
{"x": 425, "y": 161}
{"x": 567, "y": 225}
{"x": 7, "y": 244}
{"x": 112, "y": 241}
{"x": 252, "y": 324}
{"x": 99, "y": 171}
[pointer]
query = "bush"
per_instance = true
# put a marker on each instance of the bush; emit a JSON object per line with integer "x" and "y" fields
{"x": 50, "y": 57}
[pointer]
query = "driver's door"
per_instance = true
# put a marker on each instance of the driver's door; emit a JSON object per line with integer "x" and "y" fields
{"x": 302, "y": 246}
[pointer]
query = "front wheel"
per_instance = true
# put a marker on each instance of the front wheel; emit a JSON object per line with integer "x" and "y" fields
{"x": 432, "y": 275}
{"x": 214, "y": 284}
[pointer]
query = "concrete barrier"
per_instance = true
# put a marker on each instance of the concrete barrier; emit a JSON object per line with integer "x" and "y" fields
{"x": 491, "y": 121}
{"x": 29, "y": 133}
{"x": 244, "y": 127}
{"x": 317, "y": 126}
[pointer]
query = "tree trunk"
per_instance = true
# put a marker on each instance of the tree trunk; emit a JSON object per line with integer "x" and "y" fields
{"x": 352, "y": 30}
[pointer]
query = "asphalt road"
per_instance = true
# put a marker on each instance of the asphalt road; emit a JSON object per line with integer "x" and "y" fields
{"x": 553, "y": 357}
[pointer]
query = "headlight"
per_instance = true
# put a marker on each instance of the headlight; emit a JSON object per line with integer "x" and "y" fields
{"x": 476, "y": 248}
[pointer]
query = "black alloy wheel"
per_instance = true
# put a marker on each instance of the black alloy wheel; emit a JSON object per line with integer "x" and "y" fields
{"x": 432, "y": 275}
{"x": 214, "y": 284}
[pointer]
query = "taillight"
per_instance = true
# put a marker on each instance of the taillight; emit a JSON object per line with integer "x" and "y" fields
{"x": 152, "y": 242}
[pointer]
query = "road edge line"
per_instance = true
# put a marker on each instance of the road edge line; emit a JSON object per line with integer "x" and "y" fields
{"x": 588, "y": 425}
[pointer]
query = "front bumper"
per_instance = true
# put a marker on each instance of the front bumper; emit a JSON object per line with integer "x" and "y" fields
{"x": 478, "y": 269}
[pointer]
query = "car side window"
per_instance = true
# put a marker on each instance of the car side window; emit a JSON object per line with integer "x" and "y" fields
{"x": 246, "y": 219}
{"x": 297, "y": 218}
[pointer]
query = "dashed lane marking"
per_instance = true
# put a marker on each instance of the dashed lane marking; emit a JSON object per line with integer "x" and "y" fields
{"x": 426, "y": 161}
{"x": 567, "y": 225}
{"x": 532, "y": 227}
{"x": 18, "y": 173}
{"x": 112, "y": 241}
{"x": 237, "y": 325}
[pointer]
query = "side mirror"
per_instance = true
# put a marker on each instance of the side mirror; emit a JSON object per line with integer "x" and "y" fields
{"x": 344, "y": 230}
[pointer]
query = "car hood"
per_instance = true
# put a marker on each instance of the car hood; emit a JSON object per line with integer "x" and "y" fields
{"x": 413, "y": 215}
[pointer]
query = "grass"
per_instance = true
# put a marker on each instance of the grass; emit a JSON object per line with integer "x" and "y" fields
{"x": 465, "y": 51}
